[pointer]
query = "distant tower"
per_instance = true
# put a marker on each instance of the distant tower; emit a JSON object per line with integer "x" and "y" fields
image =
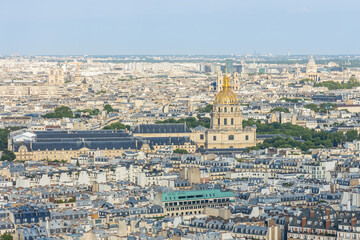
{"x": 219, "y": 81}
{"x": 311, "y": 66}
{"x": 311, "y": 69}
{"x": 56, "y": 76}
{"x": 235, "y": 82}
{"x": 289, "y": 53}
{"x": 230, "y": 66}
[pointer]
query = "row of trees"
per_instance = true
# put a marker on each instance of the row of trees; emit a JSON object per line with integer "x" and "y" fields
{"x": 331, "y": 85}
{"x": 280, "y": 109}
{"x": 312, "y": 139}
{"x": 206, "y": 109}
{"x": 66, "y": 112}
{"x": 322, "y": 108}
{"x": 117, "y": 125}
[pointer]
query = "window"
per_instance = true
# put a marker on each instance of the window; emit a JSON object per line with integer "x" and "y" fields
{"x": 219, "y": 109}
{"x": 225, "y": 121}
{"x": 201, "y": 136}
{"x": 231, "y": 137}
{"x": 247, "y": 137}
{"x": 218, "y": 121}
{"x": 225, "y": 109}
{"x": 232, "y": 121}
{"x": 214, "y": 138}
{"x": 232, "y": 109}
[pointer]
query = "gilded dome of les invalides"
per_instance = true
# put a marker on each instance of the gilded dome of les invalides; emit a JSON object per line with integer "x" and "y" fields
{"x": 226, "y": 95}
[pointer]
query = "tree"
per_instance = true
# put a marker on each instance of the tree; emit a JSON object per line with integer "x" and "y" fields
{"x": 352, "y": 135}
{"x": 312, "y": 106}
{"x": 181, "y": 151}
{"x": 322, "y": 108}
{"x": 280, "y": 109}
{"x": 91, "y": 112}
{"x": 60, "y": 112}
{"x": 6, "y": 236}
{"x": 77, "y": 163}
{"x": 206, "y": 109}
{"x": 117, "y": 125}
{"x": 312, "y": 138}
{"x": 331, "y": 85}
{"x": 306, "y": 80}
{"x": 7, "y": 155}
{"x": 108, "y": 108}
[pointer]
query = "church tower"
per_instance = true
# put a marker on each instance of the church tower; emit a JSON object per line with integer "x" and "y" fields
{"x": 226, "y": 112}
{"x": 226, "y": 130}
{"x": 56, "y": 76}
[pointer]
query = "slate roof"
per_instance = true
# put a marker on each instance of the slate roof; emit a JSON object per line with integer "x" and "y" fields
{"x": 74, "y": 140}
{"x": 168, "y": 140}
{"x": 162, "y": 128}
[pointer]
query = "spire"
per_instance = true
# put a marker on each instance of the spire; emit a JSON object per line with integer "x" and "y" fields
{"x": 226, "y": 81}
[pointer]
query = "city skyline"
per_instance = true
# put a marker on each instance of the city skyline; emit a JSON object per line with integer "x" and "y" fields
{"x": 181, "y": 28}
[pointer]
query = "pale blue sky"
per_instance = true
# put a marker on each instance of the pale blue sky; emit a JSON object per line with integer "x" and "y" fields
{"x": 117, "y": 27}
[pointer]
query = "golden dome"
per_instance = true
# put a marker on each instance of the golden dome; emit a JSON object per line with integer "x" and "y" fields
{"x": 226, "y": 95}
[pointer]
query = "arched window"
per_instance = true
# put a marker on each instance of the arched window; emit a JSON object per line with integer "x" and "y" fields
{"x": 231, "y": 137}
{"x": 219, "y": 109}
{"x": 225, "y": 109}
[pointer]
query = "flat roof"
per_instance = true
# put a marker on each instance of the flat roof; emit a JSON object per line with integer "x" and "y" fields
{"x": 197, "y": 194}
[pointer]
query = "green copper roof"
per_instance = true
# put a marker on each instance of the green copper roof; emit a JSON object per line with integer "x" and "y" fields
{"x": 192, "y": 195}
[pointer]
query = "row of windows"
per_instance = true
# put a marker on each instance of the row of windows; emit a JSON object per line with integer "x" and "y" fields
{"x": 225, "y": 109}
{"x": 231, "y": 137}
{"x": 225, "y": 121}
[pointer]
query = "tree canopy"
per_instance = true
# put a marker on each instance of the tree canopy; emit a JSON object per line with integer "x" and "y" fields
{"x": 322, "y": 108}
{"x": 60, "y": 112}
{"x": 117, "y": 125}
{"x": 352, "y": 135}
{"x": 108, "y": 108}
{"x": 306, "y": 80}
{"x": 311, "y": 138}
{"x": 181, "y": 151}
{"x": 206, "y": 109}
{"x": 6, "y": 236}
{"x": 279, "y": 109}
{"x": 331, "y": 85}
{"x": 92, "y": 112}
{"x": 7, "y": 155}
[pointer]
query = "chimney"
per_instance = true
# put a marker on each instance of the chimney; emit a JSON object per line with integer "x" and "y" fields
{"x": 327, "y": 210}
{"x": 151, "y": 168}
{"x": 312, "y": 213}
{"x": 328, "y": 221}
{"x": 353, "y": 222}
{"x": 303, "y": 221}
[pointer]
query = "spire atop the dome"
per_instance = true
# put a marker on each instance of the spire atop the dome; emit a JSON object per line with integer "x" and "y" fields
{"x": 226, "y": 81}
